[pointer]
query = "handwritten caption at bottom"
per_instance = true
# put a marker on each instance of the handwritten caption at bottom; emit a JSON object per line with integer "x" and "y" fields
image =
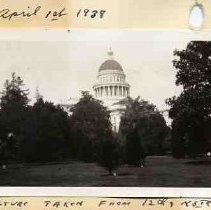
{"x": 108, "y": 203}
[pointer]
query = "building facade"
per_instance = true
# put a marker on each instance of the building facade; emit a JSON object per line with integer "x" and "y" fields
{"x": 111, "y": 87}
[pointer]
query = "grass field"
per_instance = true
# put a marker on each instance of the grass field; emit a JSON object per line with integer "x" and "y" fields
{"x": 159, "y": 171}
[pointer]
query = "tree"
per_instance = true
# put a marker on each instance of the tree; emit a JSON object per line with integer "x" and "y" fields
{"x": 8, "y": 149}
{"x": 89, "y": 124}
{"x": 13, "y": 113}
{"x": 107, "y": 154}
{"x": 191, "y": 110}
{"x": 31, "y": 133}
{"x": 144, "y": 128}
{"x": 48, "y": 132}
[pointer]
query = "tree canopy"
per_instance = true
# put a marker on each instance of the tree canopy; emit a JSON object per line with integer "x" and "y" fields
{"x": 144, "y": 128}
{"x": 13, "y": 113}
{"x": 47, "y": 132}
{"x": 13, "y": 104}
{"x": 89, "y": 123}
{"x": 38, "y": 132}
{"x": 191, "y": 110}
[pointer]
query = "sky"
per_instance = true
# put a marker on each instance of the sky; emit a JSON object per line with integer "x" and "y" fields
{"x": 61, "y": 64}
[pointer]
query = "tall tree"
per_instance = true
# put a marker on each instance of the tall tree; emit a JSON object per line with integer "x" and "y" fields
{"x": 191, "y": 110}
{"x": 48, "y": 132}
{"x": 89, "y": 124}
{"x": 13, "y": 110}
{"x": 144, "y": 128}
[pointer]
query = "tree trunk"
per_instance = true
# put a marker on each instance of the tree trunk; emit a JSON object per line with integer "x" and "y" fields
{"x": 110, "y": 171}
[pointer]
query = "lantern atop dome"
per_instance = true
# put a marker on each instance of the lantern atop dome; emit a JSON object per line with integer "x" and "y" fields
{"x": 110, "y": 53}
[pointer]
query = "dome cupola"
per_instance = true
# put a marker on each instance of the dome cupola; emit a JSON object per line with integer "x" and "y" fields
{"x": 111, "y": 84}
{"x": 110, "y": 64}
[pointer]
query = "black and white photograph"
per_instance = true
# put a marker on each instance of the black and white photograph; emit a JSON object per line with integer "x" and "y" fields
{"x": 100, "y": 108}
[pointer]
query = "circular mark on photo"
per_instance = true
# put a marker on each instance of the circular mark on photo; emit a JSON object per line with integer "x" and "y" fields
{"x": 196, "y": 16}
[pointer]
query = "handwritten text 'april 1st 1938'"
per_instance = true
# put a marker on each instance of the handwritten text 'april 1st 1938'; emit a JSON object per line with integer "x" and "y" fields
{"x": 51, "y": 15}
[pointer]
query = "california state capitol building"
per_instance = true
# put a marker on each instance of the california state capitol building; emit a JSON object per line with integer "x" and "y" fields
{"x": 110, "y": 88}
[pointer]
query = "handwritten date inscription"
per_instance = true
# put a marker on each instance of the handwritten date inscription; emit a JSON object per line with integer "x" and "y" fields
{"x": 91, "y": 13}
{"x": 51, "y": 15}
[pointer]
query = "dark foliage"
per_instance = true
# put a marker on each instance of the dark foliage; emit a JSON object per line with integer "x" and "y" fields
{"x": 89, "y": 123}
{"x": 30, "y": 133}
{"x": 191, "y": 110}
{"x": 47, "y": 133}
{"x": 14, "y": 110}
{"x": 107, "y": 154}
{"x": 145, "y": 131}
{"x": 91, "y": 134}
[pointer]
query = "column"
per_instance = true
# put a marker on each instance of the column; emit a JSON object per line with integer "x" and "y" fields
{"x": 103, "y": 90}
{"x": 106, "y": 90}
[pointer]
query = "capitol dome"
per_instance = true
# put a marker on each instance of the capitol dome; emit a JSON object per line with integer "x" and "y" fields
{"x": 110, "y": 64}
{"x": 111, "y": 88}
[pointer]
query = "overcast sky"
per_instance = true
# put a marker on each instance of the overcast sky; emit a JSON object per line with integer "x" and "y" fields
{"x": 62, "y": 64}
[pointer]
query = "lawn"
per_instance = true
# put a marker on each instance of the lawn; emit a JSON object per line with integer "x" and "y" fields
{"x": 159, "y": 171}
